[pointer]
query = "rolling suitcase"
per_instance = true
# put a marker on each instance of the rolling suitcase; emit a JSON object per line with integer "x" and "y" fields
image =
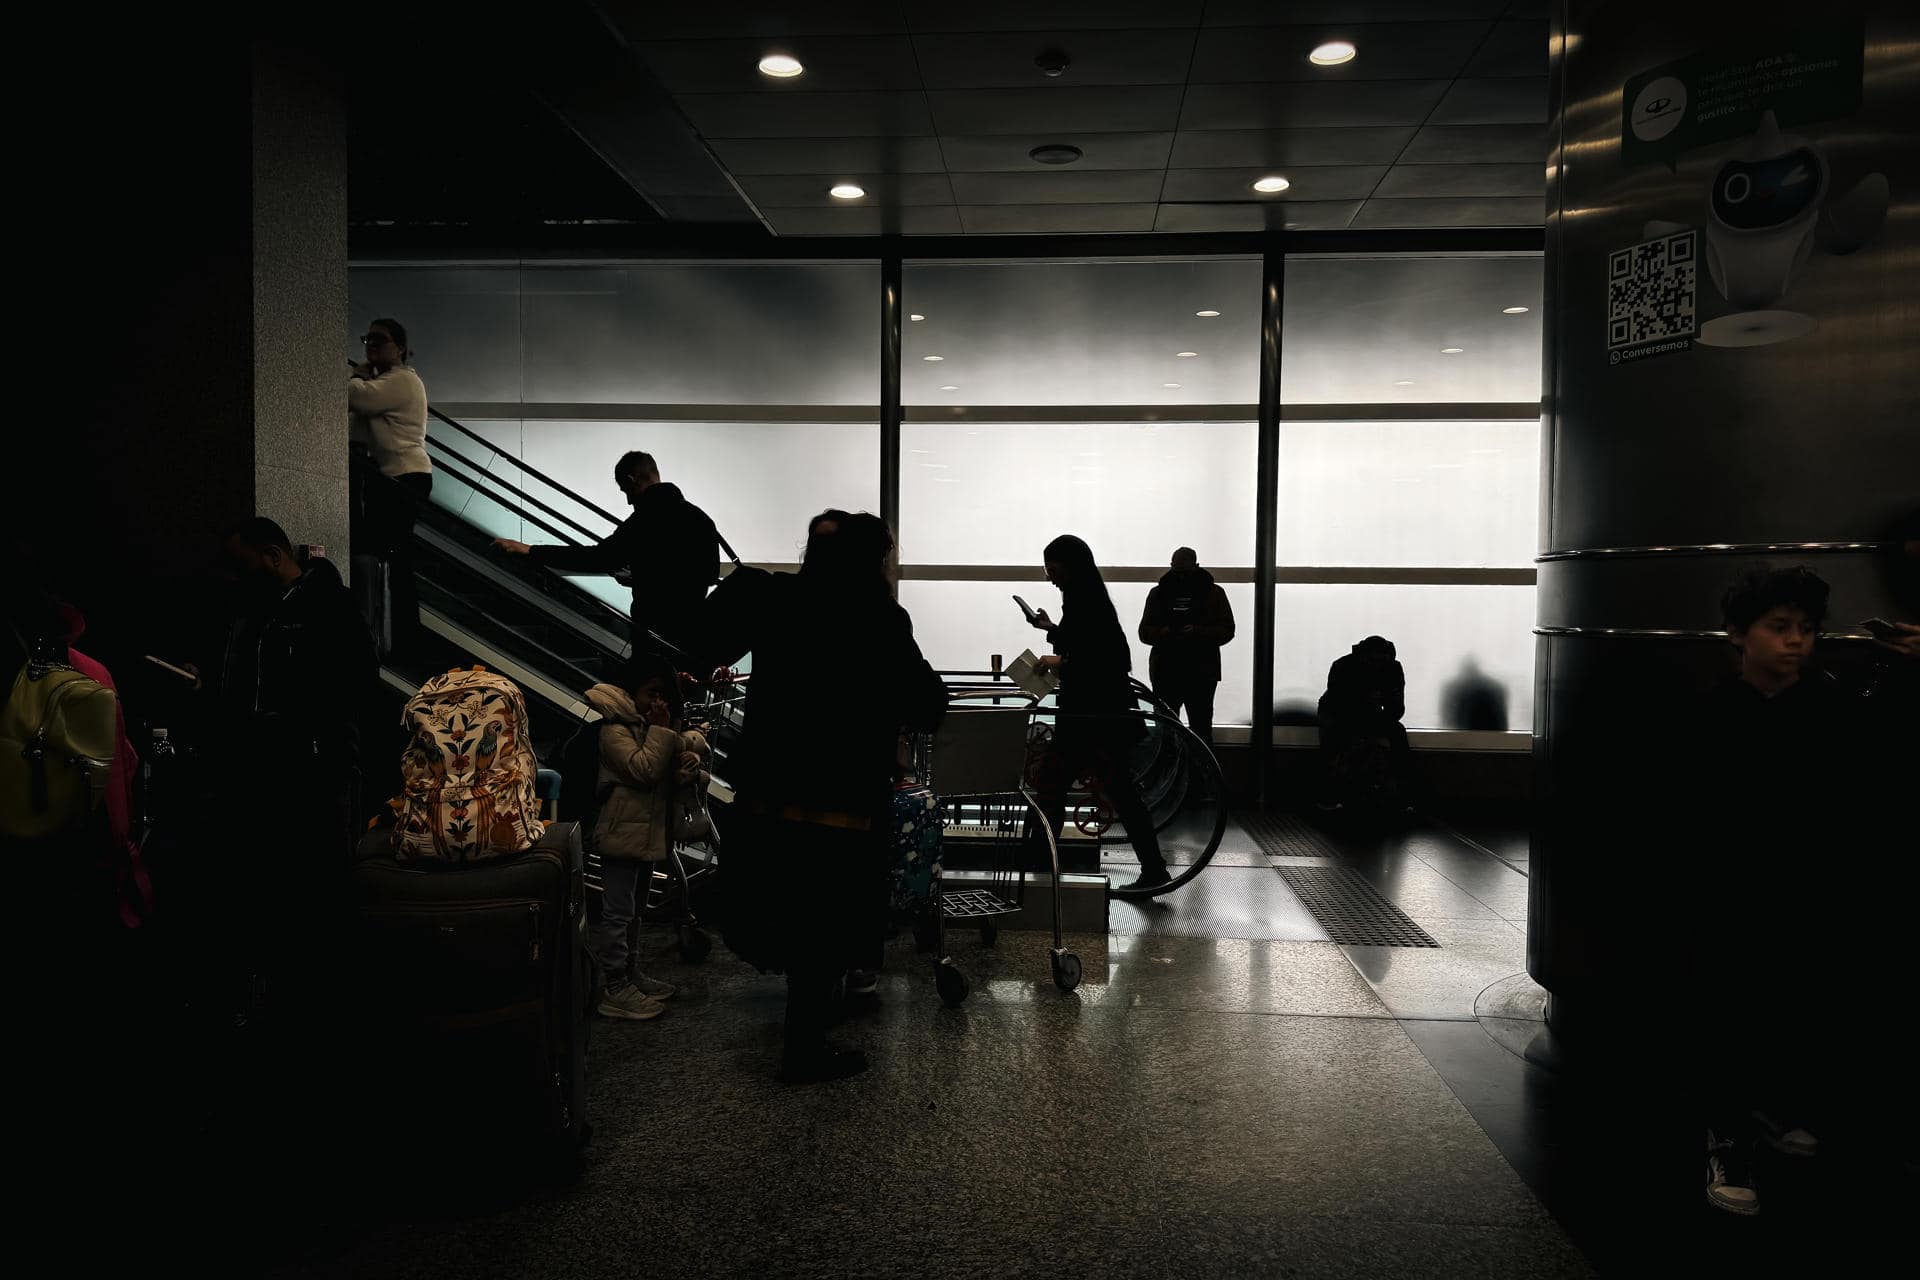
{"x": 478, "y": 973}
{"x": 917, "y": 832}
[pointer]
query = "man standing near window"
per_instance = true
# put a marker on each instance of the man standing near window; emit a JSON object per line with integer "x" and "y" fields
{"x": 1187, "y": 620}
{"x": 668, "y": 546}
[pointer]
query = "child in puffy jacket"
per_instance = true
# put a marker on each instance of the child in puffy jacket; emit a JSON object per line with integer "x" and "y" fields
{"x": 644, "y": 759}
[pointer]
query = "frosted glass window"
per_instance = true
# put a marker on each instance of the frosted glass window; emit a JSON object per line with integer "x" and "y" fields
{"x": 1374, "y": 329}
{"x": 1452, "y": 641}
{"x": 761, "y": 483}
{"x": 960, "y": 625}
{"x": 998, "y": 493}
{"x": 647, "y": 333}
{"x": 462, "y": 322}
{"x": 1087, "y": 333}
{"x": 1409, "y": 493}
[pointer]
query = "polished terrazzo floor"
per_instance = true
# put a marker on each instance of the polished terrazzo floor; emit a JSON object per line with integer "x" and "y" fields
{"x": 1228, "y": 1093}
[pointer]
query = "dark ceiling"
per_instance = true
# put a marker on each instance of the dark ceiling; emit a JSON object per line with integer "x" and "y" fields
{"x": 1178, "y": 105}
{"x": 640, "y": 114}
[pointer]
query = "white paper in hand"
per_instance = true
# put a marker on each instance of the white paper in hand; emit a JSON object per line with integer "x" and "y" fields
{"x": 1025, "y": 671}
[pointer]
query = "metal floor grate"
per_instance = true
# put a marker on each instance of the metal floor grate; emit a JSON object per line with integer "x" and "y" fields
{"x": 1351, "y": 910}
{"x": 1282, "y": 835}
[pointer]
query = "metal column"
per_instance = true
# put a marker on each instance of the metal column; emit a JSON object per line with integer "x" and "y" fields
{"x": 890, "y": 392}
{"x": 1267, "y": 516}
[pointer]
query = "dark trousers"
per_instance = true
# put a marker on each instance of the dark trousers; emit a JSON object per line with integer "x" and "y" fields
{"x": 1196, "y": 696}
{"x": 1097, "y": 749}
{"x": 393, "y": 506}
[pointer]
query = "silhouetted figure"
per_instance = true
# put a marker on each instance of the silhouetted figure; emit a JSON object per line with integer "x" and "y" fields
{"x": 388, "y": 405}
{"x": 1362, "y": 741}
{"x": 808, "y": 841}
{"x": 1187, "y": 621}
{"x": 1774, "y": 795}
{"x": 1098, "y": 722}
{"x": 1474, "y": 700}
{"x": 668, "y": 548}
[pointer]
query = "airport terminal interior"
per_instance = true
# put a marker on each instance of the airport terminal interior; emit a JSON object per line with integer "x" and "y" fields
{"x": 870, "y": 638}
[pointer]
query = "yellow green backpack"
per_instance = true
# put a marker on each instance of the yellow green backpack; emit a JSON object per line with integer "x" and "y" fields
{"x": 57, "y": 733}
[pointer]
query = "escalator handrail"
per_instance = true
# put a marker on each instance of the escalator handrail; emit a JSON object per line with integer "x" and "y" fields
{"x": 521, "y": 494}
{"x": 537, "y": 474}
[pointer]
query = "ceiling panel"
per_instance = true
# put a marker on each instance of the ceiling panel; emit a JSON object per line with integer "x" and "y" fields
{"x": 1008, "y": 151}
{"x": 746, "y": 156}
{"x": 1228, "y": 148}
{"x": 649, "y": 20}
{"x": 1251, "y": 13}
{"x": 1514, "y": 49}
{"x": 1153, "y": 108}
{"x": 1484, "y": 212}
{"x": 1058, "y": 187}
{"x": 1005, "y": 60}
{"x": 912, "y": 220}
{"x": 1478, "y": 144}
{"x": 1042, "y": 15}
{"x": 1049, "y": 219}
{"x": 1392, "y": 51}
{"x": 1521, "y": 101}
{"x": 798, "y": 191}
{"x": 1285, "y": 215}
{"x": 806, "y": 115}
{"x": 1463, "y": 180}
{"x": 1304, "y": 104}
{"x": 834, "y": 64}
{"x": 1327, "y": 182}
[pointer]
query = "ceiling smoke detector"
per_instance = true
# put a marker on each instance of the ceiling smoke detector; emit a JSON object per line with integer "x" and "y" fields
{"x": 1055, "y": 153}
{"x": 1053, "y": 63}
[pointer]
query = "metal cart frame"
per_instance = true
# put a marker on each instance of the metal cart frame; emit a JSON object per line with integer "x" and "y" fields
{"x": 979, "y": 754}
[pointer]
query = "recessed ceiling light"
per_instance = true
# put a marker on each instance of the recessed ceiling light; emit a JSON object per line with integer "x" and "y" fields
{"x": 1271, "y": 183}
{"x": 1186, "y": 355}
{"x": 1333, "y": 53}
{"x": 1404, "y": 382}
{"x": 1207, "y": 314}
{"x": 933, "y": 359}
{"x": 780, "y": 66}
{"x": 1451, "y": 351}
{"x": 1171, "y": 386}
{"x": 949, "y": 387}
{"x": 1055, "y": 153}
{"x": 916, "y": 316}
{"x": 846, "y": 191}
{"x": 1513, "y": 311}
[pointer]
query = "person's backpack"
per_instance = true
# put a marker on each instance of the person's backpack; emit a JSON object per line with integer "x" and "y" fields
{"x": 57, "y": 735}
{"x": 467, "y": 774}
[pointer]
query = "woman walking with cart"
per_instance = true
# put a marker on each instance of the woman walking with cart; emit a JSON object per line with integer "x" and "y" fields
{"x": 1098, "y": 722}
{"x": 808, "y": 851}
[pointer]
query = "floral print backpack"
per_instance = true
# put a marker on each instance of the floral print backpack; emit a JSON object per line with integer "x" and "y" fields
{"x": 467, "y": 774}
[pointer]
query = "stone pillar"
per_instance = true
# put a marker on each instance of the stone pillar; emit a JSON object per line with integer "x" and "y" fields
{"x": 1733, "y": 254}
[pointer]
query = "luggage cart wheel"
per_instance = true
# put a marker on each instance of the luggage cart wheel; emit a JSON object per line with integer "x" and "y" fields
{"x": 989, "y": 934}
{"x": 695, "y": 945}
{"x": 951, "y": 984}
{"x": 1066, "y": 970}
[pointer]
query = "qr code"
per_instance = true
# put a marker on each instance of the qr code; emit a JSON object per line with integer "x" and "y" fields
{"x": 1650, "y": 291}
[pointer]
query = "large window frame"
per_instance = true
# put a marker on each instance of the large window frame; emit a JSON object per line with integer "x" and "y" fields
{"x": 1274, "y": 249}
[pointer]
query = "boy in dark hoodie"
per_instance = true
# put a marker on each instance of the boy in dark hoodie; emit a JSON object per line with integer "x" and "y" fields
{"x": 1187, "y": 621}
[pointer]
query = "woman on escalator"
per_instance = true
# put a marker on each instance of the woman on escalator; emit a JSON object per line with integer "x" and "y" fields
{"x": 388, "y": 405}
{"x": 1098, "y": 722}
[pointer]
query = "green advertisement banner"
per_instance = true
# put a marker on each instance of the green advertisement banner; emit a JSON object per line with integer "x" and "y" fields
{"x": 1803, "y": 75}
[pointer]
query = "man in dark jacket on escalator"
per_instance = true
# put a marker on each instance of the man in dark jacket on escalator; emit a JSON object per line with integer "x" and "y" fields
{"x": 668, "y": 546}
{"x": 1187, "y": 620}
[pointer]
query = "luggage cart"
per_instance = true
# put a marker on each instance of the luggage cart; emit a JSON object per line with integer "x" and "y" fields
{"x": 979, "y": 756}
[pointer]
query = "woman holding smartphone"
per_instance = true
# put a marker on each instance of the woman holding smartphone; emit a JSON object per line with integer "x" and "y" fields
{"x": 1098, "y": 723}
